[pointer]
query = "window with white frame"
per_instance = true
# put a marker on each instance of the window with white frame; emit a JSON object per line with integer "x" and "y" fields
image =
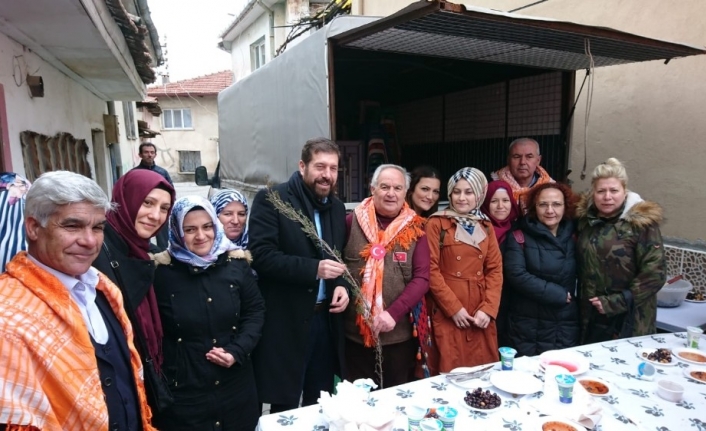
{"x": 257, "y": 54}
{"x": 177, "y": 119}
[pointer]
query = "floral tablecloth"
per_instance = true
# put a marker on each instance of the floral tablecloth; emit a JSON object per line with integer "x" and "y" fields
{"x": 633, "y": 404}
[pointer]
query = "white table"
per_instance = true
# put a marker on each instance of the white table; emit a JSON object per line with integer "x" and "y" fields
{"x": 676, "y": 319}
{"x": 615, "y": 362}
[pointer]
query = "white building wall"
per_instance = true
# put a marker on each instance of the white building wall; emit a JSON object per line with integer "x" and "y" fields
{"x": 66, "y": 106}
{"x": 240, "y": 49}
{"x": 128, "y": 147}
{"x": 203, "y": 137}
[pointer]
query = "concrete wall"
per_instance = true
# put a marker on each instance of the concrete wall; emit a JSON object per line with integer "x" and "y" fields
{"x": 203, "y": 137}
{"x": 65, "y": 107}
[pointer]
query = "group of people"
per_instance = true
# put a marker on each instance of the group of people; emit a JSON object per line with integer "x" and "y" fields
{"x": 100, "y": 330}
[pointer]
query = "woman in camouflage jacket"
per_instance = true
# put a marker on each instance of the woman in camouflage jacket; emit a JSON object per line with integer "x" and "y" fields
{"x": 620, "y": 257}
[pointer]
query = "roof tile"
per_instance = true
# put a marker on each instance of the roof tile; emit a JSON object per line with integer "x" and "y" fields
{"x": 207, "y": 85}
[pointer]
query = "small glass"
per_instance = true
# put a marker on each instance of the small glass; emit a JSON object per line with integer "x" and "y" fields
{"x": 693, "y": 334}
{"x": 566, "y": 387}
{"x": 507, "y": 357}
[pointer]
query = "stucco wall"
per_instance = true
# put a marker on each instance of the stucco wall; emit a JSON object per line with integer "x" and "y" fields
{"x": 65, "y": 107}
{"x": 203, "y": 137}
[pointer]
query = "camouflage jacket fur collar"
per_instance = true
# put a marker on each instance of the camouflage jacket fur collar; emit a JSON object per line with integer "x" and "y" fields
{"x": 638, "y": 212}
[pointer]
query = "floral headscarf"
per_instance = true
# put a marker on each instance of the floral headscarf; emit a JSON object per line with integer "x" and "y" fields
{"x": 177, "y": 247}
{"x": 221, "y": 200}
{"x": 479, "y": 184}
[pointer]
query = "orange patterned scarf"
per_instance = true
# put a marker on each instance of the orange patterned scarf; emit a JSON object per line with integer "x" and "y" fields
{"x": 48, "y": 368}
{"x": 403, "y": 231}
{"x": 519, "y": 192}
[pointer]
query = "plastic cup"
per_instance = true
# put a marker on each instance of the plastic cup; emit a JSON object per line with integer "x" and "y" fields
{"x": 447, "y": 416}
{"x": 507, "y": 357}
{"x": 431, "y": 424}
{"x": 693, "y": 334}
{"x": 415, "y": 415}
{"x": 566, "y": 387}
{"x": 646, "y": 371}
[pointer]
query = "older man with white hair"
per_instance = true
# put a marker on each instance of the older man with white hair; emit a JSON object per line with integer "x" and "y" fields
{"x": 387, "y": 252}
{"x": 67, "y": 359}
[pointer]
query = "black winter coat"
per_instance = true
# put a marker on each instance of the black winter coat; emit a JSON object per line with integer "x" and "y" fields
{"x": 287, "y": 262}
{"x": 137, "y": 274}
{"x": 538, "y": 276}
{"x": 219, "y": 306}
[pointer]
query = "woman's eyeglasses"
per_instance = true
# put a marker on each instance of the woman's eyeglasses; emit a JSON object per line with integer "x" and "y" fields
{"x": 545, "y": 205}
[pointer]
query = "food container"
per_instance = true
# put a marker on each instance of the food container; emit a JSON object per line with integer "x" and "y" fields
{"x": 565, "y": 382}
{"x": 507, "y": 357}
{"x": 646, "y": 371}
{"x": 672, "y": 295}
{"x": 693, "y": 334}
{"x": 670, "y": 391}
{"x": 447, "y": 416}
{"x": 431, "y": 424}
{"x": 415, "y": 414}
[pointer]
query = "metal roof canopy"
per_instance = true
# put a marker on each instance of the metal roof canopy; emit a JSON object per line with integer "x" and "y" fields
{"x": 443, "y": 29}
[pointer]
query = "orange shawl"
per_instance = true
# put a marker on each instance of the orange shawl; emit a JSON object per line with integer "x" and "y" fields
{"x": 402, "y": 231}
{"x": 519, "y": 192}
{"x": 48, "y": 367}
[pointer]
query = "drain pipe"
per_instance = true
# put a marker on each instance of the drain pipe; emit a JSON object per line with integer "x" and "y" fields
{"x": 271, "y": 27}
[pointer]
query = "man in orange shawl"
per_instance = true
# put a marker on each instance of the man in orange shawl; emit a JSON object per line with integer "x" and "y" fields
{"x": 523, "y": 171}
{"x": 67, "y": 359}
{"x": 387, "y": 252}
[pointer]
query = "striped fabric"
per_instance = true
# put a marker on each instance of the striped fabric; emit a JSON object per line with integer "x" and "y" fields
{"x": 479, "y": 185}
{"x": 48, "y": 372}
{"x": 13, "y": 189}
{"x": 221, "y": 199}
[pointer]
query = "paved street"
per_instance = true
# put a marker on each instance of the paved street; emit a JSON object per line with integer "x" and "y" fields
{"x": 186, "y": 189}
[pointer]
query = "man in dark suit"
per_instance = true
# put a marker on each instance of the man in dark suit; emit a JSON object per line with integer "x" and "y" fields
{"x": 302, "y": 340}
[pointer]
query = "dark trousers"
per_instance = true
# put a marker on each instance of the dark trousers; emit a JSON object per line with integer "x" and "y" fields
{"x": 398, "y": 361}
{"x": 319, "y": 363}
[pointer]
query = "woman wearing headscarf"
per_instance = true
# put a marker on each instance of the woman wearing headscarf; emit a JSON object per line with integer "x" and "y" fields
{"x": 232, "y": 209}
{"x": 212, "y": 313}
{"x": 466, "y": 275}
{"x": 502, "y": 210}
{"x": 143, "y": 199}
